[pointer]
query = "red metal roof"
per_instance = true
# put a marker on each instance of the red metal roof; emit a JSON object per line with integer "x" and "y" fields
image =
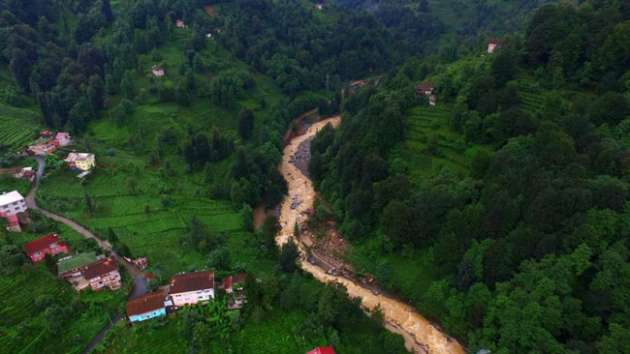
{"x": 99, "y": 268}
{"x": 191, "y": 282}
{"x": 323, "y": 350}
{"x": 42, "y": 243}
{"x": 146, "y": 303}
{"x": 425, "y": 86}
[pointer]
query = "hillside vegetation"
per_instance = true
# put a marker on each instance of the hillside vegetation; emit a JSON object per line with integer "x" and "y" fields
{"x": 502, "y": 212}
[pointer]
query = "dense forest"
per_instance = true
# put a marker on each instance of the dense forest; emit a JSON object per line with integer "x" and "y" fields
{"x": 531, "y": 245}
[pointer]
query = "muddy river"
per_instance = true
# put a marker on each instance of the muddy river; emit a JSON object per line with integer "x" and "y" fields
{"x": 420, "y": 335}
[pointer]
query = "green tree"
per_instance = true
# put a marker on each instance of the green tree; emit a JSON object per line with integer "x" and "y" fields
{"x": 288, "y": 256}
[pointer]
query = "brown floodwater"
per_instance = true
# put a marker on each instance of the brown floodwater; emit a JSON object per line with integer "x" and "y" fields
{"x": 420, "y": 335}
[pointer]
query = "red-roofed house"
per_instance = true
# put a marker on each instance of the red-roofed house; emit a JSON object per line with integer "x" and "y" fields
{"x": 424, "y": 89}
{"x": 323, "y": 350}
{"x": 191, "y": 288}
{"x": 146, "y": 307}
{"x": 37, "y": 249}
{"x": 102, "y": 273}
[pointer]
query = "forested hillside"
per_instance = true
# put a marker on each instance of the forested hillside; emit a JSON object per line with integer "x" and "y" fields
{"x": 503, "y": 211}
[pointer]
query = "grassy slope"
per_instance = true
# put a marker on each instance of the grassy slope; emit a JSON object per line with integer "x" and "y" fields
{"x": 20, "y": 316}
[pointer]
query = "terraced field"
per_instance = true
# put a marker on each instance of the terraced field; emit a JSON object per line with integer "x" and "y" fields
{"x": 18, "y": 126}
{"x": 151, "y": 223}
{"x": 531, "y": 98}
{"x": 430, "y": 145}
{"x": 23, "y": 324}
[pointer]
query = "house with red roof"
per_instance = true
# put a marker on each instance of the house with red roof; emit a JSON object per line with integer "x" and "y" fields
{"x": 101, "y": 274}
{"x": 424, "y": 89}
{"x": 146, "y": 307}
{"x": 322, "y": 350}
{"x": 191, "y": 289}
{"x": 37, "y": 249}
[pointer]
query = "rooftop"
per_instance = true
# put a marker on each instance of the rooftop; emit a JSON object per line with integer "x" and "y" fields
{"x": 98, "y": 268}
{"x": 11, "y": 197}
{"x": 41, "y": 243}
{"x": 76, "y": 261}
{"x": 146, "y": 303}
{"x": 191, "y": 282}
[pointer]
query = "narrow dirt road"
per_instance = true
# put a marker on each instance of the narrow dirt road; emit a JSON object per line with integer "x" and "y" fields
{"x": 140, "y": 286}
{"x": 420, "y": 335}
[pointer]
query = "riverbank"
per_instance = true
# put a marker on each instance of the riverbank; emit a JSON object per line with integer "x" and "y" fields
{"x": 420, "y": 335}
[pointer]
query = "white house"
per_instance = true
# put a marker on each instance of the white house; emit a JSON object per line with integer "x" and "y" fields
{"x": 191, "y": 289}
{"x": 12, "y": 204}
{"x": 81, "y": 161}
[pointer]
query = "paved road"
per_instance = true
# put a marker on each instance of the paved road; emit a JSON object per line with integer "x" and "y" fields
{"x": 140, "y": 286}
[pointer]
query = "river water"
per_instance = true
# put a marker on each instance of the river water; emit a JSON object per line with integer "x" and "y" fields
{"x": 420, "y": 335}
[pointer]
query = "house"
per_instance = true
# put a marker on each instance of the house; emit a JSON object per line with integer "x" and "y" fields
{"x": 62, "y": 139}
{"x": 37, "y": 249}
{"x": 102, "y": 273}
{"x": 142, "y": 262}
{"x": 424, "y": 89}
{"x": 179, "y": 23}
{"x": 157, "y": 71}
{"x": 233, "y": 285}
{"x": 191, "y": 288}
{"x": 70, "y": 267}
{"x": 146, "y": 307}
{"x": 12, "y": 204}
{"x": 322, "y": 350}
{"x": 319, "y": 6}
{"x": 493, "y": 44}
{"x": 81, "y": 161}
{"x": 26, "y": 173}
{"x": 42, "y": 149}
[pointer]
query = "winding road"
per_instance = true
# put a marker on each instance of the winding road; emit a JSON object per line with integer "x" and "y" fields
{"x": 420, "y": 335}
{"x": 140, "y": 286}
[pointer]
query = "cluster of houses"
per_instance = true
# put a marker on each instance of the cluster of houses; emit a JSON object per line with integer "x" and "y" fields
{"x": 14, "y": 210}
{"x": 186, "y": 290}
{"x": 82, "y": 271}
{"x": 48, "y": 144}
{"x": 78, "y": 161}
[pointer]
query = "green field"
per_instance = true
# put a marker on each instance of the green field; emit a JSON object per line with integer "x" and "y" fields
{"x": 19, "y": 126}
{"x": 429, "y": 127}
{"x": 22, "y": 315}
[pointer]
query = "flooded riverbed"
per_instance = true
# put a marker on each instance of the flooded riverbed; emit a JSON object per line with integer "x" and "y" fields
{"x": 420, "y": 335}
